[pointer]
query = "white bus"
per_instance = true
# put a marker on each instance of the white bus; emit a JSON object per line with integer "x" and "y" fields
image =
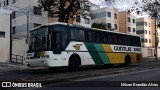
{"x": 61, "y": 44}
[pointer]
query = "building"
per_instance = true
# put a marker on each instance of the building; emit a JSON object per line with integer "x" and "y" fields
{"x": 26, "y": 14}
{"x": 127, "y": 23}
{"x": 146, "y": 30}
{"x": 5, "y": 35}
{"x": 108, "y": 16}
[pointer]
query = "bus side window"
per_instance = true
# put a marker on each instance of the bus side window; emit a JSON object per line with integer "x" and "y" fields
{"x": 81, "y": 35}
{"x": 74, "y": 34}
{"x": 114, "y": 39}
{"x": 97, "y": 35}
{"x": 105, "y": 37}
{"x": 120, "y": 41}
{"x": 77, "y": 34}
{"x": 90, "y": 36}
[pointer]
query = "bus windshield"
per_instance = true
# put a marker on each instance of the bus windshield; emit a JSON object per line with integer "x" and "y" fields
{"x": 38, "y": 39}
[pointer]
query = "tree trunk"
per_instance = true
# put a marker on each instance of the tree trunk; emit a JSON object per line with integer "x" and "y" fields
{"x": 61, "y": 13}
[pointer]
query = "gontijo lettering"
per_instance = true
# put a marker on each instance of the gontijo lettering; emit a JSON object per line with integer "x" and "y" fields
{"x": 121, "y": 48}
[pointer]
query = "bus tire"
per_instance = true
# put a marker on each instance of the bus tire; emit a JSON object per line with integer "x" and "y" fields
{"x": 127, "y": 60}
{"x": 74, "y": 64}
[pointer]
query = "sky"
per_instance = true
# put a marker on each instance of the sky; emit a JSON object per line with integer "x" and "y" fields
{"x": 121, "y": 5}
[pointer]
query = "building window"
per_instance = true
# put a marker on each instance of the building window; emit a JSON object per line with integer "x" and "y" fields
{"x": 78, "y": 19}
{"x": 115, "y": 16}
{"x": 13, "y": 15}
{"x": 108, "y": 14}
{"x": 4, "y": 4}
{"x": 133, "y": 21}
{"x": 50, "y": 14}
{"x": 129, "y": 20}
{"x": 109, "y": 25}
{"x": 129, "y": 29}
{"x": 37, "y": 11}
{"x": 36, "y": 25}
{"x": 141, "y": 23}
{"x": 140, "y": 31}
{"x": 149, "y": 32}
{"x": 87, "y": 21}
{"x": 145, "y": 23}
{"x": 0, "y": 4}
{"x": 115, "y": 26}
{"x": 13, "y": 30}
{"x": 14, "y": 1}
{"x": 149, "y": 40}
{"x": 2, "y": 34}
{"x": 144, "y": 40}
{"x": 86, "y": 7}
{"x": 134, "y": 30}
{"x": 145, "y": 31}
{"x": 7, "y": 3}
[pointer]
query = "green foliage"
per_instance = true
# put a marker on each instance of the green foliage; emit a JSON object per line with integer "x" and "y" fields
{"x": 99, "y": 25}
{"x": 62, "y": 9}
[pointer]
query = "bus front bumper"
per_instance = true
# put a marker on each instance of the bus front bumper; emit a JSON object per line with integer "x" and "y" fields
{"x": 37, "y": 63}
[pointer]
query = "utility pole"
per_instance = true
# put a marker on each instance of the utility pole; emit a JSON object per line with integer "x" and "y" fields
{"x": 27, "y": 27}
{"x": 156, "y": 43}
{"x": 11, "y": 37}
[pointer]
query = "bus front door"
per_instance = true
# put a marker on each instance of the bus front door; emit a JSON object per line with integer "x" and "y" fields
{"x": 56, "y": 42}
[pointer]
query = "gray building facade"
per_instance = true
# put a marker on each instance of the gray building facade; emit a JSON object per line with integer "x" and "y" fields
{"x": 26, "y": 14}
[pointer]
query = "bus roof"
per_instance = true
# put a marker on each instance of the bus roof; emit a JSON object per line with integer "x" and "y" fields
{"x": 61, "y": 23}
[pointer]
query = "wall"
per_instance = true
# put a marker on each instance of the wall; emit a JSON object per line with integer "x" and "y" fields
{"x": 20, "y": 22}
{"x": 146, "y": 54}
{"x": 19, "y": 47}
{"x": 100, "y": 16}
{"x": 122, "y": 22}
{"x": 5, "y": 42}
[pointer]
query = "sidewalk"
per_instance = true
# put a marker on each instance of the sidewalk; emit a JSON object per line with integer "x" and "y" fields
{"x": 10, "y": 66}
{"x": 150, "y": 59}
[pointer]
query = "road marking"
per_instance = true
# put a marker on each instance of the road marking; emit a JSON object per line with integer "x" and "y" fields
{"x": 99, "y": 77}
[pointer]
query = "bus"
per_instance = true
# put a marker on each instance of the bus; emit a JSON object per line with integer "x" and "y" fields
{"x": 61, "y": 44}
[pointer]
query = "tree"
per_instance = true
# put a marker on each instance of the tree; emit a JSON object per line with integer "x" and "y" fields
{"x": 102, "y": 26}
{"x": 99, "y": 25}
{"x": 64, "y": 9}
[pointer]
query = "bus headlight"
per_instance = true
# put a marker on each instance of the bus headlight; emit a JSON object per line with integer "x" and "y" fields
{"x": 47, "y": 56}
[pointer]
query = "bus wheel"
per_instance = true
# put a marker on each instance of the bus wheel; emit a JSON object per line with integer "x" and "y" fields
{"x": 127, "y": 61}
{"x": 74, "y": 63}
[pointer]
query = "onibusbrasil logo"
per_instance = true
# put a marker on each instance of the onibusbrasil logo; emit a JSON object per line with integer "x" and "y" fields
{"x": 17, "y": 84}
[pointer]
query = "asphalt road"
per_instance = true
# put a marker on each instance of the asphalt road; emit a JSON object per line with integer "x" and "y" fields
{"x": 95, "y": 78}
{"x": 114, "y": 82}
